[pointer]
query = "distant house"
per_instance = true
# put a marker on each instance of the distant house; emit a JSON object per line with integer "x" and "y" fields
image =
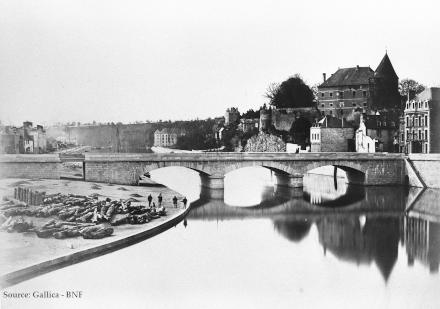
{"x": 167, "y": 137}
{"x": 34, "y": 138}
{"x": 331, "y": 134}
{"x": 27, "y": 139}
{"x": 422, "y": 122}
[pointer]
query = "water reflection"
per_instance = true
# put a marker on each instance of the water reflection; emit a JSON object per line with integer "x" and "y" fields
{"x": 293, "y": 229}
{"x": 367, "y": 230}
{"x": 377, "y": 241}
{"x": 422, "y": 239}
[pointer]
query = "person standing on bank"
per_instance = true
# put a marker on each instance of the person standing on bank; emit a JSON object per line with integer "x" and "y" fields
{"x": 175, "y": 201}
{"x": 159, "y": 199}
{"x": 184, "y": 202}
{"x": 150, "y": 198}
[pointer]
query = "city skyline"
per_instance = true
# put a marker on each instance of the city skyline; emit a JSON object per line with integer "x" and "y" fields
{"x": 110, "y": 62}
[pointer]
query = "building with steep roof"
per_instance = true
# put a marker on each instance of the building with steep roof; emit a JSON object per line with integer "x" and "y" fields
{"x": 359, "y": 88}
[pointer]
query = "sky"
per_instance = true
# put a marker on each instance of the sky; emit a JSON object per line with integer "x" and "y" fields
{"x": 137, "y": 60}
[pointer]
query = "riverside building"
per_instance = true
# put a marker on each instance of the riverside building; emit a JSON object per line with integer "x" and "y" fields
{"x": 422, "y": 122}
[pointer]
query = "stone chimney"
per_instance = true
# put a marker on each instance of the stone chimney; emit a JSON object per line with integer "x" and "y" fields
{"x": 324, "y": 77}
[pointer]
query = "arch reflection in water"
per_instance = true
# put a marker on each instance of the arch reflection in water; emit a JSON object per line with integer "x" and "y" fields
{"x": 328, "y": 186}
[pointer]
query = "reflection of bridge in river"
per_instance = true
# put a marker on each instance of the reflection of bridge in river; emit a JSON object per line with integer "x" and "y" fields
{"x": 361, "y": 199}
{"x": 364, "y": 232}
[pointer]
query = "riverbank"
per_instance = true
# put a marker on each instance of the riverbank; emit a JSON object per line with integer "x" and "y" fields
{"x": 24, "y": 255}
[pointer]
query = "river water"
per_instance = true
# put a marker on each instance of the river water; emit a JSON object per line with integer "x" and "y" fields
{"x": 332, "y": 245}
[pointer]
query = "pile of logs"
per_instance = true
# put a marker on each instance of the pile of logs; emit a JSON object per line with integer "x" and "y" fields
{"x": 76, "y": 215}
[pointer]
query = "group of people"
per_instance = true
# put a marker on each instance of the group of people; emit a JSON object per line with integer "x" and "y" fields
{"x": 152, "y": 204}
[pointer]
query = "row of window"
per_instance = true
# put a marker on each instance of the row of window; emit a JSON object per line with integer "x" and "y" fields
{"x": 315, "y": 137}
{"x": 416, "y": 105}
{"x": 416, "y": 135}
{"x": 342, "y": 104}
{"x": 417, "y": 121}
{"x": 340, "y": 94}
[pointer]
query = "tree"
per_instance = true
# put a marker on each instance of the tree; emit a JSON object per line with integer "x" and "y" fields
{"x": 251, "y": 114}
{"x": 411, "y": 87}
{"x": 315, "y": 91}
{"x": 291, "y": 93}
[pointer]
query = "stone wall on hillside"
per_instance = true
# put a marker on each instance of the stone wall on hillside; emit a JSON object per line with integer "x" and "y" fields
{"x": 265, "y": 143}
{"x": 127, "y": 138}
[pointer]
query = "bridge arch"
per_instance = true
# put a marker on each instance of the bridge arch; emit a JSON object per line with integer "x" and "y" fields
{"x": 149, "y": 167}
{"x": 355, "y": 172}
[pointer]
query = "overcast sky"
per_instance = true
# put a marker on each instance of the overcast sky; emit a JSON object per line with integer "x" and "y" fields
{"x": 150, "y": 60}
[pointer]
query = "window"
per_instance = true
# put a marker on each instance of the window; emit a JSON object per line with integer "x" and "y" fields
{"x": 426, "y": 120}
{"x": 354, "y": 94}
{"x": 364, "y": 93}
{"x": 341, "y": 94}
{"x": 331, "y": 94}
{"x": 420, "y": 134}
{"x": 426, "y": 134}
{"x": 331, "y": 104}
{"x": 354, "y": 104}
{"x": 331, "y": 112}
{"x": 407, "y": 134}
{"x": 365, "y": 104}
{"x": 322, "y": 105}
{"x": 322, "y": 94}
{"x": 426, "y": 148}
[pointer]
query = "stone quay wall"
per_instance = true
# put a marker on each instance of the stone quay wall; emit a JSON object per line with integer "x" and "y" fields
{"x": 424, "y": 170}
{"x": 30, "y": 166}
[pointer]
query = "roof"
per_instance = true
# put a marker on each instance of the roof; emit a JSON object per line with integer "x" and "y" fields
{"x": 385, "y": 69}
{"x": 170, "y": 131}
{"x": 332, "y": 122}
{"x": 349, "y": 77}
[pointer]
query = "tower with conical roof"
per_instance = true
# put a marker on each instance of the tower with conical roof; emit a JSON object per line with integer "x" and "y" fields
{"x": 386, "y": 86}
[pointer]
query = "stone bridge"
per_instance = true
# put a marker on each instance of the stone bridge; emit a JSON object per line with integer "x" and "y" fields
{"x": 289, "y": 168}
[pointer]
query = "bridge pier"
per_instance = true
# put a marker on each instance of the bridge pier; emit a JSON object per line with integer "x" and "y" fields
{"x": 213, "y": 181}
{"x": 213, "y": 186}
{"x": 288, "y": 180}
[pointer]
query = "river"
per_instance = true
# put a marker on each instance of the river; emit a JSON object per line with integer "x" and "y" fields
{"x": 332, "y": 245}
